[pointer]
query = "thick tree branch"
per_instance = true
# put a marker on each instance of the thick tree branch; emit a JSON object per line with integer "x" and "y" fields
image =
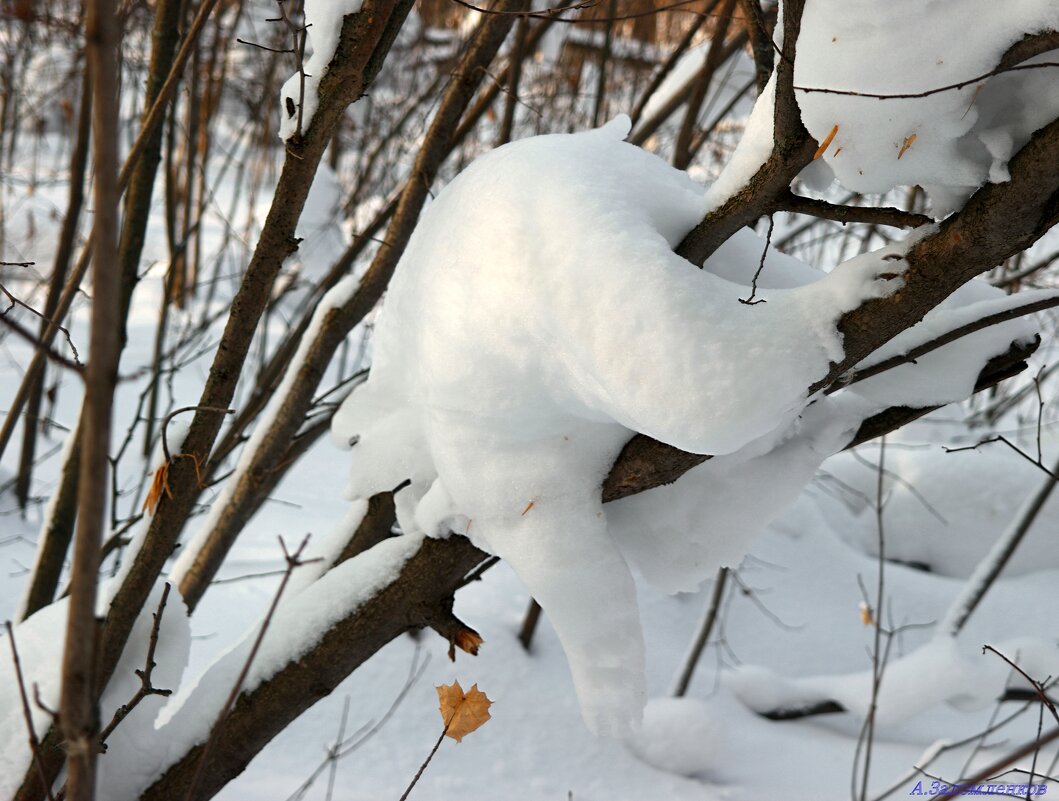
{"x": 793, "y": 148}
{"x": 365, "y": 40}
{"x": 998, "y": 222}
{"x": 338, "y": 321}
{"x": 411, "y": 601}
{"x": 79, "y": 713}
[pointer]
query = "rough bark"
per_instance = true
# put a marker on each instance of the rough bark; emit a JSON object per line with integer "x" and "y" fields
{"x": 412, "y": 601}
{"x": 970, "y": 243}
{"x": 78, "y": 708}
{"x": 793, "y": 149}
{"x": 250, "y": 484}
{"x": 366, "y": 38}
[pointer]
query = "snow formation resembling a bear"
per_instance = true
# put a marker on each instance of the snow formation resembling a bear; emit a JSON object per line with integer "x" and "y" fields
{"x": 537, "y": 319}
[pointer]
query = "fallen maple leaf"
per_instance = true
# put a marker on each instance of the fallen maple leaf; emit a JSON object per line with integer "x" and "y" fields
{"x": 462, "y": 712}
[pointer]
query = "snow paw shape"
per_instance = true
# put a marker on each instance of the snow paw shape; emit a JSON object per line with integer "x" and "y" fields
{"x": 539, "y": 316}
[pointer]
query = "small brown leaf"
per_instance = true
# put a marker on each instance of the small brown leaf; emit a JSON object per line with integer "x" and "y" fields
{"x": 908, "y": 143}
{"x": 159, "y": 484}
{"x": 866, "y": 616}
{"x": 468, "y": 640}
{"x": 529, "y": 506}
{"x": 825, "y": 144}
{"x": 462, "y": 712}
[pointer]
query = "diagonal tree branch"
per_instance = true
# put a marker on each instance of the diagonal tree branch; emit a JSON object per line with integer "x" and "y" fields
{"x": 250, "y": 483}
{"x": 417, "y": 598}
{"x": 792, "y": 149}
{"x": 365, "y": 40}
{"x": 999, "y": 221}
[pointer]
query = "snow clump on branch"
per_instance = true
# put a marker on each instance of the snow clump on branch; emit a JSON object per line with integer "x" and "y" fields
{"x": 537, "y": 319}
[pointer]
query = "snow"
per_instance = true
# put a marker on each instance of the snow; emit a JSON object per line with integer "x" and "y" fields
{"x": 333, "y": 299}
{"x": 949, "y": 373}
{"x": 585, "y": 204}
{"x": 40, "y": 641}
{"x": 585, "y": 327}
{"x": 944, "y": 670}
{"x": 684, "y": 736}
{"x": 753, "y": 150}
{"x": 949, "y": 142}
{"x": 323, "y": 19}
{"x": 678, "y": 535}
{"x": 300, "y": 621}
{"x": 945, "y": 510}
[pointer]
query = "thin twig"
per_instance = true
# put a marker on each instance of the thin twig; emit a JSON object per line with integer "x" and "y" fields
{"x": 1001, "y": 438}
{"x": 876, "y": 215}
{"x": 34, "y": 743}
{"x": 992, "y": 770}
{"x": 293, "y": 561}
{"x": 430, "y": 756}
{"x": 66, "y": 332}
{"x": 146, "y": 687}
{"x": 181, "y": 410}
{"x": 46, "y": 350}
{"x": 1037, "y": 686}
{"x": 927, "y": 92}
{"x": 761, "y": 266}
{"x": 702, "y": 636}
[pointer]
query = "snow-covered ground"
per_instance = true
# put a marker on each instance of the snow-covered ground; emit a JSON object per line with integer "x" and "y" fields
{"x": 790, "y": 629}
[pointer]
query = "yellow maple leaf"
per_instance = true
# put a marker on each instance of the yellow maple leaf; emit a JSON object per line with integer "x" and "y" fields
{"x": 462, "y": 712}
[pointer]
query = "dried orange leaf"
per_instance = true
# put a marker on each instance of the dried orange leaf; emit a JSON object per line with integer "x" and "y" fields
{"x": 825, "y": 144}
{"x": 159, "y": 484}
{"x": 866, "y": 616}
{"x": 908, "y": 143}
{"x": 462, "y": 712}
{"x": 468, "y": 640}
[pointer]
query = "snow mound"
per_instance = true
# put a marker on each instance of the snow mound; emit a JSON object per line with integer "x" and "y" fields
{"x": 944, "y": 510}
{"x": 538, "y": 317}
{"x": 949, "y": 141}
{"x": 685, "y": 736}
{"x": 130, "y": 747}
